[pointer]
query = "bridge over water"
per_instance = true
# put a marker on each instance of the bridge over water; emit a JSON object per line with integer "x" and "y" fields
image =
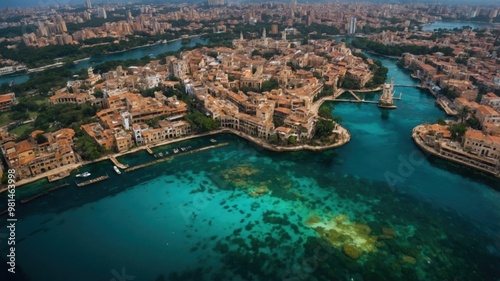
{"x": 406, "y": 86}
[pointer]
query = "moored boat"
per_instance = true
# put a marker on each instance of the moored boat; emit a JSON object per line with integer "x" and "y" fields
{"x": 117, "y": 170}
{"x": 84, "y": 175}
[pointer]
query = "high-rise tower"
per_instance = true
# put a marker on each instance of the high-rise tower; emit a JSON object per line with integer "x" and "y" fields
{"x": 352, "y": 25}
{"x": 88, "y": 4}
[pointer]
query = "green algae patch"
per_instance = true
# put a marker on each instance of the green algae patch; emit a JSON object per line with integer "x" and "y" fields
{"x": 354, "y": 239}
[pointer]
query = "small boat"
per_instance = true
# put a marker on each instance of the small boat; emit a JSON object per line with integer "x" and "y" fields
{"x": 213, "y": 140}
{"x": 160, "y": 154}
{"x": 166, "y": 152}
{"x": 117, "y": 170}
{"x": 176, "y": 150}
{"x": 189, "y": 147}
{"x": 156, "y": 155}
{"x": 183, "y": 148}
{"x": 84, "y": 175}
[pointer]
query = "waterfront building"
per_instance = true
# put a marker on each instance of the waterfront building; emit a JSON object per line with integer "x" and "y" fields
{"x": 483, "y": 145}
{"x": 477, "y": 150}
{"x": 144, "y": 135}
{"x": 37, "y": 155}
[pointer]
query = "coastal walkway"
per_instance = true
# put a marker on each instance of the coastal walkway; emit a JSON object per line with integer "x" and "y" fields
{"x": 357, "y": 101}
{"x": 130, "y": 169}
{"x": 459, "y": 156}
{"x": 379, "y": 88}
{"x": 445, "y": 106}
{"x": 344, "y": 137}
{"x": 354, "y": 95}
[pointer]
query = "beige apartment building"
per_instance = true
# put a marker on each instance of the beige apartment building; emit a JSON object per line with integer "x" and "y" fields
{"x": 30, "y": 158}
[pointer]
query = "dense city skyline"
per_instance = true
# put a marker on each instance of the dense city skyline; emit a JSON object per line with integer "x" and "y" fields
{"x": 34, "y": 3}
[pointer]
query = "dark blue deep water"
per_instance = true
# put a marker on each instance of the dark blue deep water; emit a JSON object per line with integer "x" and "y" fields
{"x": 374, "y": 209}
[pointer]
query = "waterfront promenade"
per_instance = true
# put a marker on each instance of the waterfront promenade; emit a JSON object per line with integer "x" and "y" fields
{"x": 344, "y": 137}
{"x": 459, "y": 156}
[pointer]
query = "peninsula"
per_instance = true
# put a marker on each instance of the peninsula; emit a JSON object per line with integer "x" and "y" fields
{"x": 268, "y": 91}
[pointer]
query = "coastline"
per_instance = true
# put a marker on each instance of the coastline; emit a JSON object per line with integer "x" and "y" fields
{"x": 59, "y": 64}
{"x": 385, "y": 56}
{"x": 418, "y": 141}
{"x": 153, "y": 44}
{"x": 80, "y": 60}
{"x": 66, "y": 170}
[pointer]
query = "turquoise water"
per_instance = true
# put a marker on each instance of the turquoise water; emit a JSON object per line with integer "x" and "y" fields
{"x": 410, "y": 217}
{"x": 131, "y": 54}
{"x": 454, "y": 24}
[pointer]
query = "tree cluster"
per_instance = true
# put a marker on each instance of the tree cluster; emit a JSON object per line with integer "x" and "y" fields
{"x": 398, "y": 50}
{"x": 201, "y": 123}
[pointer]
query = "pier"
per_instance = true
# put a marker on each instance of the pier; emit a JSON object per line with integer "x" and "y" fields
{"x": 356, "y": 101}
{"x": 171, "y": 157}
{"x": 117, "y": 163}
{"x": 354, "y": 95}
{"x": 98, "y": 179}
{"x": 149, "y": 150}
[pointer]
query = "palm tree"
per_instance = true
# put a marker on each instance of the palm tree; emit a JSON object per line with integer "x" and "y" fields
{"x": 463, "y": 113}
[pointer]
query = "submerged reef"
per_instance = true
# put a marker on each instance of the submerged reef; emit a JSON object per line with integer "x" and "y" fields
{"x": 353, "y": 238}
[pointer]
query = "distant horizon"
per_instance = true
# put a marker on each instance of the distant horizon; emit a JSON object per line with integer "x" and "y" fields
{"x": 38, "y": 3}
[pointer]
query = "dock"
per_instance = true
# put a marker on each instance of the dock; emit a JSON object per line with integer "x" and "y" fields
{"x": 117, "y": 163}
{"x": 149, "y": 150}
{"x": 171, "y": 157}
{"x": 444, "y": 105}
{"x": 98, "y": 179}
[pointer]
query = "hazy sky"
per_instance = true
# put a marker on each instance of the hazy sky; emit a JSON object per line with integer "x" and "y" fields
{"x": 25, "y": 3}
